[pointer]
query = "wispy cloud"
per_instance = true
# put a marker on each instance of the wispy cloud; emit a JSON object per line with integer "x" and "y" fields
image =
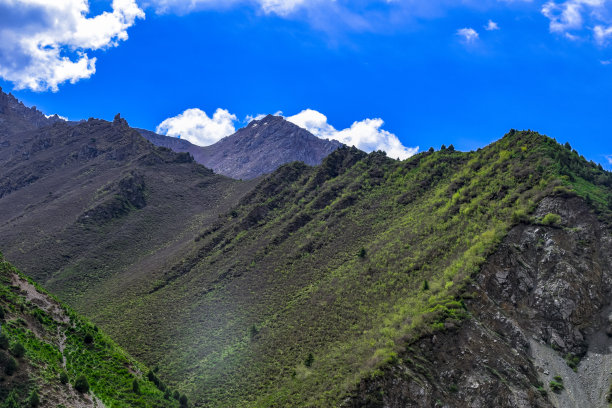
{"x": 491, "y": 26}
{"x": 469, "y": 35}
{"x": 580, "y": 18}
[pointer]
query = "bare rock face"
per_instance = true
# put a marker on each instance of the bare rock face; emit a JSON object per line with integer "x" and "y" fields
{"x": 541, "y": 308}
{"x": 260, "y": 148}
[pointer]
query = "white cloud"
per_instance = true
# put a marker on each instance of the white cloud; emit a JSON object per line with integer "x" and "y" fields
{"x": 609, "y": 158}
{"x": 45, "y": 43}
{"x": 602, "y": 34}
{"x": 280, "y": 7}
{"x": 197, "y": 127}
{"x": 491, "y": 26}
{"x": 65, "y": 119}
{"x": 468, "y": 34}
{"x": 576, "y": 15}
{"x": 366, "y": 135}
{"x": 250, "y": 118}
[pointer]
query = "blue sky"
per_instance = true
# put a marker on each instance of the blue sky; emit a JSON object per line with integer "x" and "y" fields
{"x": 430, "y": 70}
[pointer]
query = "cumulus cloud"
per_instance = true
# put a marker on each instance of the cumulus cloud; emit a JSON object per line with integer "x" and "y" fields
{"x": 280, "y": 7}
{"x": 469, "y": 35}
{"x": 197, "y": 127}
{"x": 609, "y": 158}
{"x": 366, "y": 135}
{"x": 491, "y": 26}
{"x": 45, "y": 43}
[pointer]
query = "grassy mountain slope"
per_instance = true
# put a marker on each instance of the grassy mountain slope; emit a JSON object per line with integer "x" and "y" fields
{"x": 321, "y": 275}
{"x": 101, "y": 206}
{"x": 45, "y": 347}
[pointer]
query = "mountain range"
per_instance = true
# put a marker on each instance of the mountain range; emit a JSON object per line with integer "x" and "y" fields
{"x": 257, "y": 149}
{"x": 449, "y": 279}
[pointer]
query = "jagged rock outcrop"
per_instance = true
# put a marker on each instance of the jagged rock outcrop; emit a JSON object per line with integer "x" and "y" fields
{"x": 259, "y": 148}
{"x": 16, "y": 117}
{"x": 540, "y": 308}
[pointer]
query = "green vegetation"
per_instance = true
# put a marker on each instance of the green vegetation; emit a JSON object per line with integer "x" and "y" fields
{"x": 320, "y": 278}
{"x": 47, "y": 349}
{"x": 551, "y": 219}
{"x": 352, "y": 261}
{"x": 81, "y": 384}
{"x": 572, "y": 361}
{"x": 556, "y": 385}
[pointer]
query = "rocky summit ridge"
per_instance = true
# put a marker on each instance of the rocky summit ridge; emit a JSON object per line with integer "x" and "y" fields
{"x": 259, "y": 148}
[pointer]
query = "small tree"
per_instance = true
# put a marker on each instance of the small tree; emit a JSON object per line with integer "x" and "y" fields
{"x": 362, "y": 252}
{"x": 309, "y": 360}
{"x": 135, "y": 386}
{"x": 4, "y": 342}
{"x": 11, "y": 366}
{"x": 63, "y": 377}
{"x": 183, "y": 400}
{"x": 34, "y": 399}
{"x": 81, "y": 384}
{"x": 88, "y": 338}
{"x": 11, "y": 401}
{"x": 176, "y": 395}
{"x": 18, "y": 350}
{"x": 253, "y": 331}
{"x": 425, "y": 285}
{"x": 1, "y": 313}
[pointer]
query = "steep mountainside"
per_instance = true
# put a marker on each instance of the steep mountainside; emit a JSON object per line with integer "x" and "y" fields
{"x": 51, "y": 357}
{"x": 479, "y": 278}
{"x": 260, "y": 148}
{"x": 84, "y": 204}
{"x": 328, "y": 285}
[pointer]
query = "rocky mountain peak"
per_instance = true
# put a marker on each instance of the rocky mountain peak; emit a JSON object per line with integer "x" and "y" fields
{"x": 16, "y": 117}
{"x": 259, "y": 148}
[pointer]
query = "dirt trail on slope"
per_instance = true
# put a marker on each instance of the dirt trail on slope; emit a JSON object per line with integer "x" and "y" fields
{"x": 55, "y": 310}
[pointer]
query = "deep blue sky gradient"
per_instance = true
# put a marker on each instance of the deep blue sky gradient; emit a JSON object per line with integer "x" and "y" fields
{"x": 428, "y": 85}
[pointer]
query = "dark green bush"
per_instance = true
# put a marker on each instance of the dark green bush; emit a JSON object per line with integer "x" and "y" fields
{"x": 176, "y": 395}
{"x": 135, "y": 386}
{"x": 362, "y": 253}
{"x": 81, "y": 384}
{"x": 551, "y": 219}
{"x": 425, "y": 285}
{"x": 183, "y": 401}
{"x": 34, "y": 399}
{"x": 11, "y": 366}
{"x": 309, "y": 360}
{"x": 88, "y": 338}
{"x": 4, "y": 342}
{"x": 556, "y": 386}
{"x": 63, "y": 377}
{"x": 11, "y": 401}
{"x": 253, "y": 331}
{"x": 18, "y": 350}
